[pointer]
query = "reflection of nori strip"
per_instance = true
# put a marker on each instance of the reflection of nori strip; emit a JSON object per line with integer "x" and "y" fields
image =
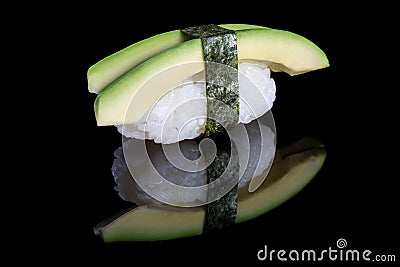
{"x": 222, "y": 212}
{"x": 219, "y": 47}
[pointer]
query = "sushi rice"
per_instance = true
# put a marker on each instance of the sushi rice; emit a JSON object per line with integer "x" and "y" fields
{"x": 181, "y": 113}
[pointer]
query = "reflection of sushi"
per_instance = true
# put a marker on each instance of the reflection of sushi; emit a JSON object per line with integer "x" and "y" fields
{"x": 141, "y": 85}
{"x": 294, "y": 166}
{"x": 129, "y": 190}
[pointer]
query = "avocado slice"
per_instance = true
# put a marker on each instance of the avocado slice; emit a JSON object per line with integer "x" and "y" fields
{"x": 294, "y": 166}
{"x": 142, "y": 86}
{"x": 113, "y": 66}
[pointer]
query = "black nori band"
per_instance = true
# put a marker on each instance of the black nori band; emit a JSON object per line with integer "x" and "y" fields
{"x": 220, "y": 47}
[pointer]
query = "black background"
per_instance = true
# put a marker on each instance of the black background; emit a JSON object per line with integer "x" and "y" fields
{"x": 349, "y": 106}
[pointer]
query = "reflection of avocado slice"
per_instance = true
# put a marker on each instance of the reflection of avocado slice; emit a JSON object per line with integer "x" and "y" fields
{"x": 143, "y": 85}
{"x": 293, "y": 168}
{"x": 112, "y": 67}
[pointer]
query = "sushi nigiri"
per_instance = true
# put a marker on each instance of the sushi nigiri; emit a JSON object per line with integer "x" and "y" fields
{"x": 156, "y": 88}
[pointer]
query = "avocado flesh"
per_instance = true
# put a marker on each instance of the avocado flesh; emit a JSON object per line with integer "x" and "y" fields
{"x": 293, "y": 168}
{"x": 113, "y": 66}
{"x": 126, "y": 99}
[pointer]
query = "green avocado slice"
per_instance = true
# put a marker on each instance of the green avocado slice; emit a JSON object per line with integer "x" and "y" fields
{"x": 293, "y": 168}
{"x": 113, "y": 66}
{"x": 143, "y": 85}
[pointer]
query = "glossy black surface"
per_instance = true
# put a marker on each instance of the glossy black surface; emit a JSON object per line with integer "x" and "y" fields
{"x": 346, "y": 106}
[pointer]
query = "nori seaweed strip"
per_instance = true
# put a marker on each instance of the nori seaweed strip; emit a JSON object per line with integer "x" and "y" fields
{"x": 219, "y": 47}
{"x": 220, "y": 50}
